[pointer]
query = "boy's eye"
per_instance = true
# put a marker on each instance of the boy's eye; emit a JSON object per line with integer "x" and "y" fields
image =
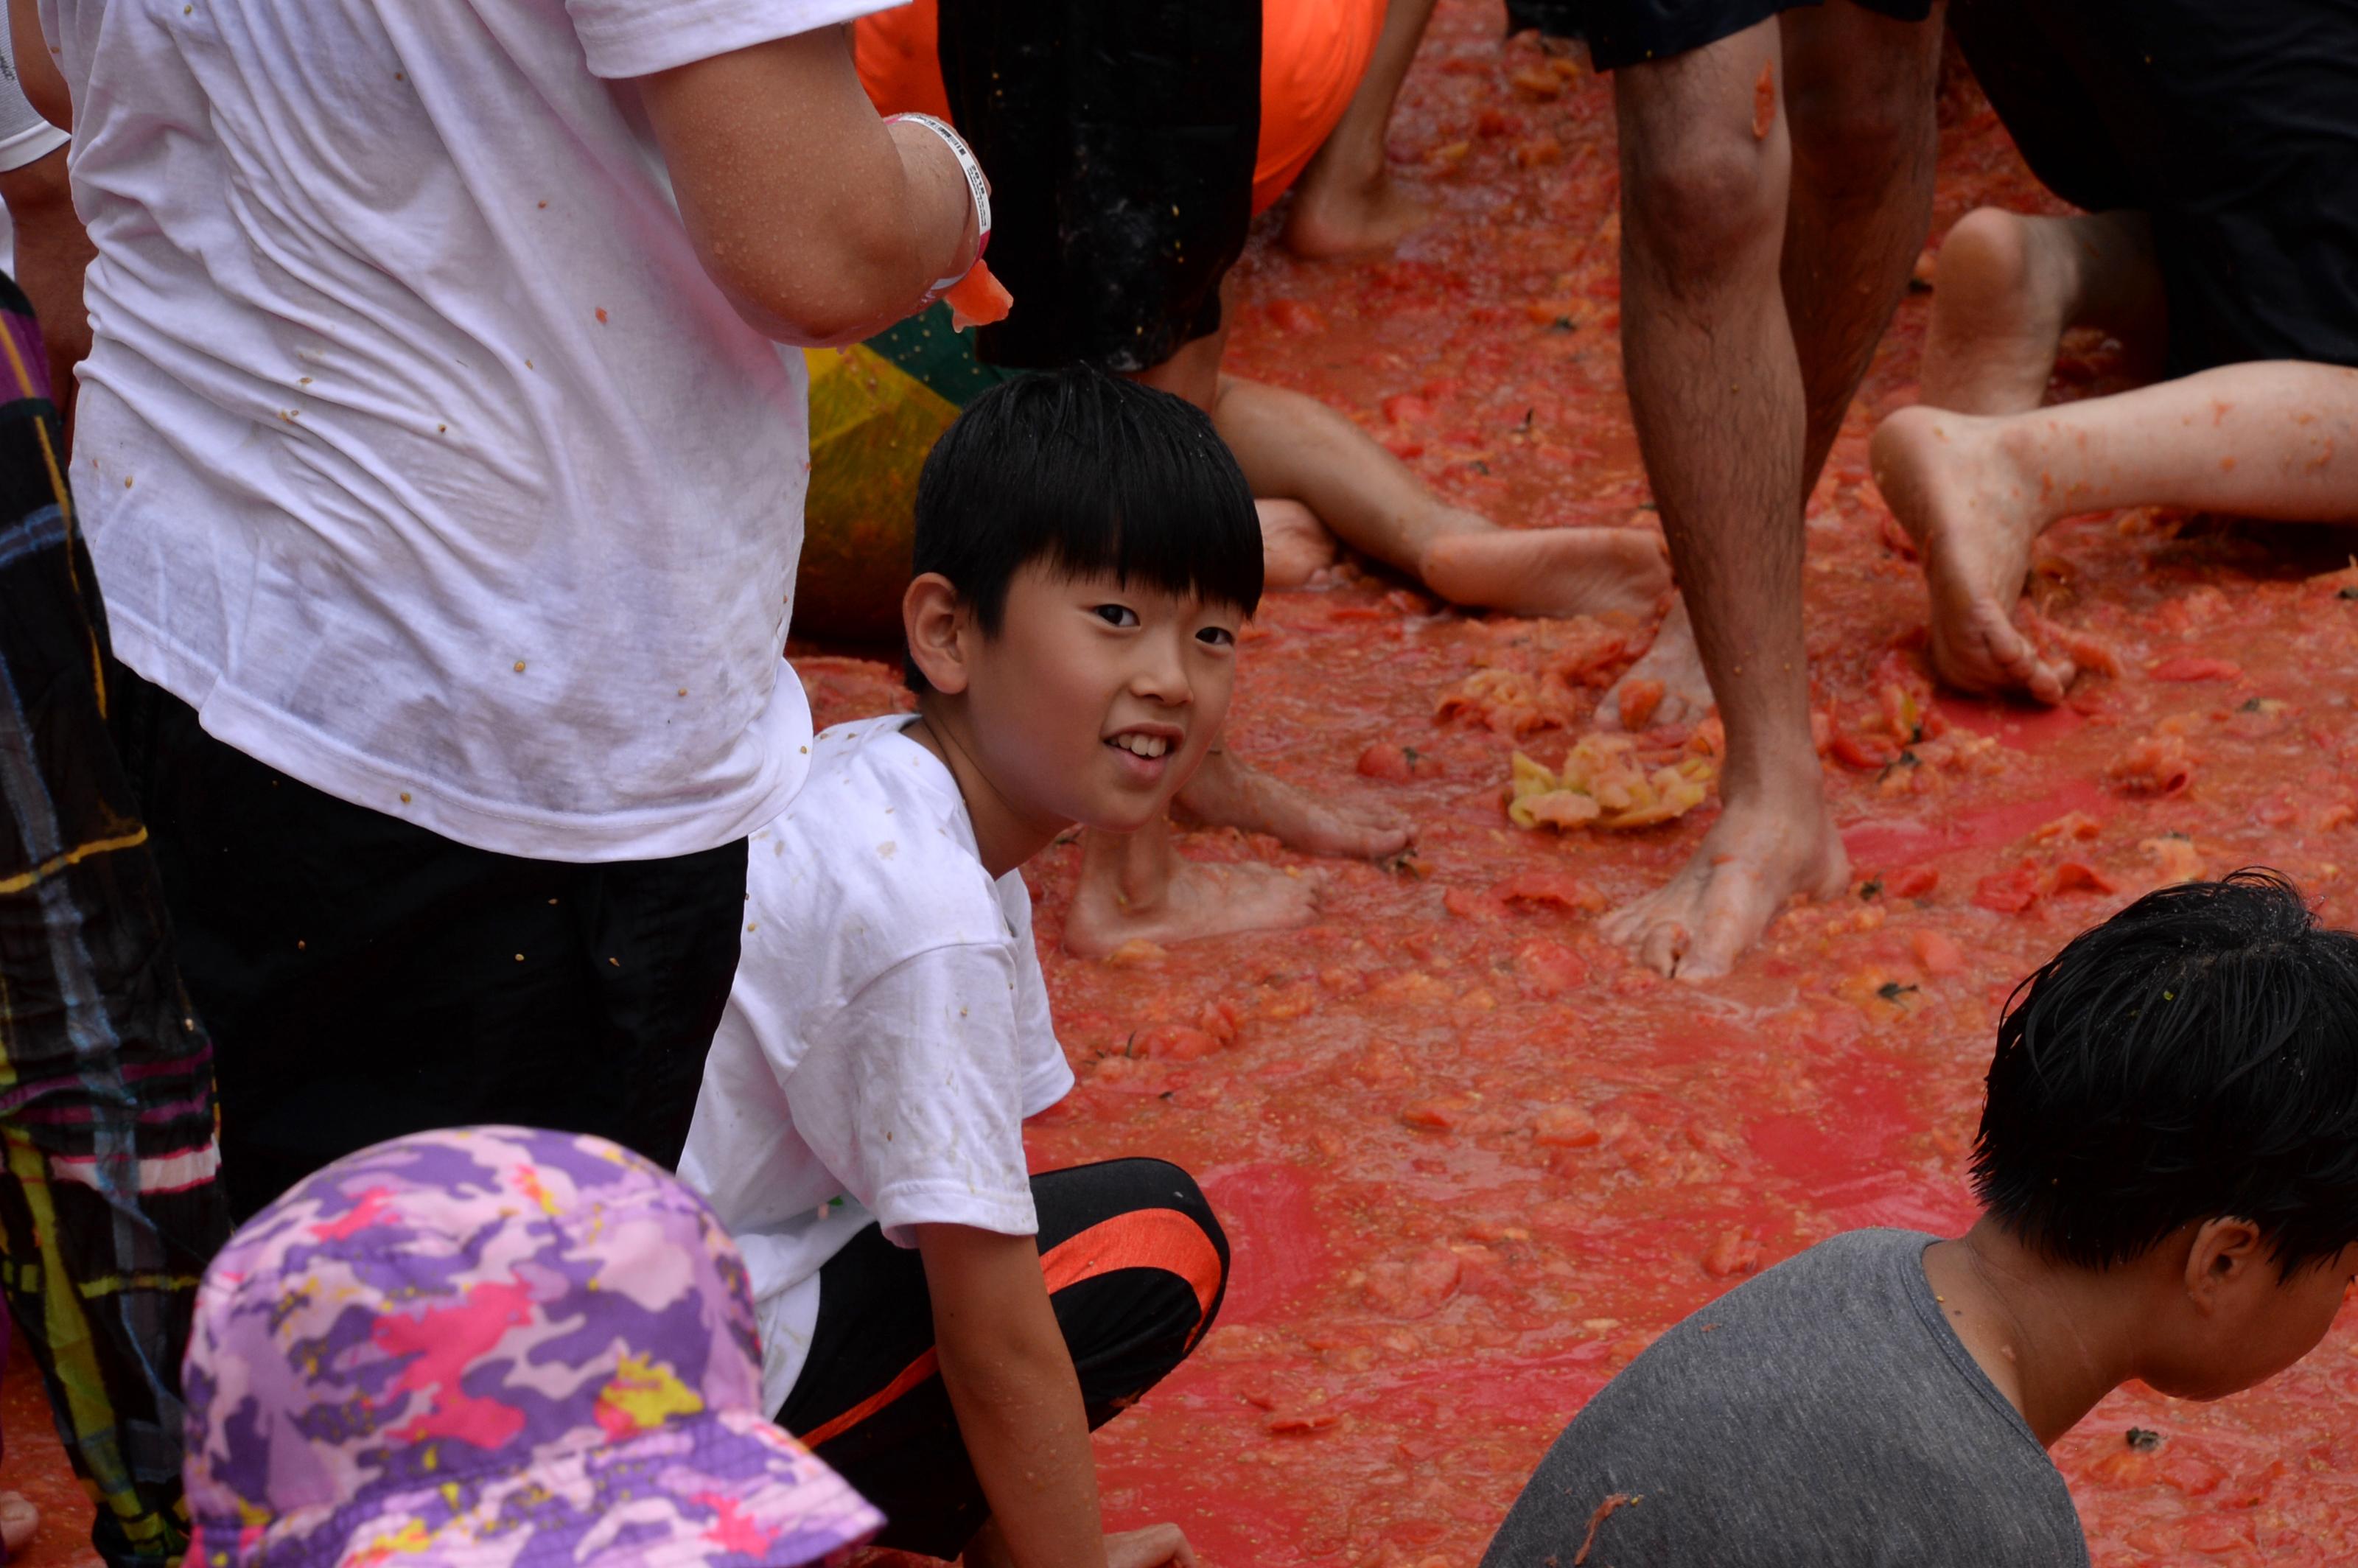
{"x": 1217, "y": 637}
{"x": 1117, "y": 614}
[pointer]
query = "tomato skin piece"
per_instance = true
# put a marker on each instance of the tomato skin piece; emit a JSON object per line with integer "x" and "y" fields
{"x": 2008, "y": 893}
{"x": 2187, "y": 668}
{"x": 977, "y": 300}
{"x": 1915, "y": 881}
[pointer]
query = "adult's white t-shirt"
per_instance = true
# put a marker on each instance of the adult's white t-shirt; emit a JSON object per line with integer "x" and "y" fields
{"x": 887, "y": 1035}
{"x": 415, "y": 449}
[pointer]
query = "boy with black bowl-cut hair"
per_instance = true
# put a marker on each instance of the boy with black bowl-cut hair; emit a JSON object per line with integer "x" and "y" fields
{"x": 2169, "y": 1158}
{"x": 940, "y": 1327}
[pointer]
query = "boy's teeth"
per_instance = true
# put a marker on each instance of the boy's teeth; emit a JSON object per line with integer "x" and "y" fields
{"x": 1143, "y": 745}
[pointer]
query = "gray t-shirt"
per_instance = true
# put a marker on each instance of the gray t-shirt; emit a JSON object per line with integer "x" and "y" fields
{"x": 1823, "y": 1415}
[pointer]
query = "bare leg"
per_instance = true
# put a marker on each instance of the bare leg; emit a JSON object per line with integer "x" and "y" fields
{"x": 2275, "y": 439}
{"x": 2010, "y": 286}
{"x": 1345, "y": 201}
{"x": 1136, "y": 886}
{"x": 1226, "y": 792}
{"x": 1760, "y": 262}
{"x": 1856, "y": 106}
{"x": 1715, "y": 392}
{"x": 1295, "y": 447}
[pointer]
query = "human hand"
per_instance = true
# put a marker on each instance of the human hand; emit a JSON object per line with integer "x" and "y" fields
{"x": 1153, "y": 1547}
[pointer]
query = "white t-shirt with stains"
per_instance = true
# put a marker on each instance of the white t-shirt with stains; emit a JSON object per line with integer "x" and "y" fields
{"x": 417, "y": 450}
{"x": 886, "y": 1038}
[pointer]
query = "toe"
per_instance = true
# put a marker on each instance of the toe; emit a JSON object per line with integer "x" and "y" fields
{"x": 1665, "y": 945}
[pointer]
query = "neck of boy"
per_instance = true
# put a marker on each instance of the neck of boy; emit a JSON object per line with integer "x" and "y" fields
{"x": 2054, "y": 1337}
{"x": 1005, "y": 834}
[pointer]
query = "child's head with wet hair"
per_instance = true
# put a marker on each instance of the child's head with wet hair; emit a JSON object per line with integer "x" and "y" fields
{"x": 1087, "y": 551}
{"x": 2180, "y": 1084}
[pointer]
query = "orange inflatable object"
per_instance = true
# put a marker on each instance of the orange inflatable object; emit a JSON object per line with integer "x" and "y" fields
{"x": 1313, "y": 53}
{"x": 977, "y": 300}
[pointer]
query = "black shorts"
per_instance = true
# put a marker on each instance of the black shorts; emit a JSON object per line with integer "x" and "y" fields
{"x": 364, "y": 977}
{"x": 2234, "y": 127}
{"x": 1628, "y": 32}
{"x": 1136, "y": 1266}
{"x": 1120, "y": 138}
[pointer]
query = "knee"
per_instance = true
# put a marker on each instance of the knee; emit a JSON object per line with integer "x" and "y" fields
{"x": 1157, "y": 1183}
{"x": 1865, "y": 123}
{"x": 1697, "y": 209}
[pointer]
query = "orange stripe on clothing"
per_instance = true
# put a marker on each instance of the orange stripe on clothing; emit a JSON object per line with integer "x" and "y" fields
{"x": 1160, "y": 1239}
{"x": 915, "y": 1372}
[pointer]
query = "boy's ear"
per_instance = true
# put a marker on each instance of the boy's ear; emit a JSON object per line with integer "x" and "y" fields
{"x": 936, "y": 623}
{"x": 2223, "y": 1251}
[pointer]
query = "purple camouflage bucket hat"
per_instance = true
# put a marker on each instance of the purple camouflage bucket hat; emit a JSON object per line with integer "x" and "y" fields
{"x": 492, "y": 1347}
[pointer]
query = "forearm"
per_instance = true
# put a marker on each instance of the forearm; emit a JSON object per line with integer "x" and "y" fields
{"x": 1019, "y": 1409}
{"x": 53, "y": 250}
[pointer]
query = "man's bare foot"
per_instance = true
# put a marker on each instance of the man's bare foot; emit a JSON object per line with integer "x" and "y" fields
{"x": 1948, "y": 480}
{"x": 1670, "y": 675}
{"x": 1226, "y": 792}
{"x": 1339, "y": 214}
{"x": 1547, "y": 571}
{"x": 1180, "y": 901}
{"x": 1756, "y": 858}
{"x": 1293, "y": 544}
{"x": 19, "y": 1521}
{"x": 2001, "y": 299}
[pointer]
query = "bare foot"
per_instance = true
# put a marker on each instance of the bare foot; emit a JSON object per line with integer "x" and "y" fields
{"x": 19, "y": 1521}
{"x": 1754, "y": 858}
{"x": 1126, "y": 895}
{"x": 1338, "y": 213}
{"x": 1227, "y": 794}
{"x": 1547, "y": 571}
{"x": 1295, "y": 545}
{"x": 1673, "y": 666}
{"x": 1947, "y": 479}
{"x": 2001, "y": 299}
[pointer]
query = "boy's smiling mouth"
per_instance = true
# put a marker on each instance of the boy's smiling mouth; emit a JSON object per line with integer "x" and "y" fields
{"x": 1147, "y": 742}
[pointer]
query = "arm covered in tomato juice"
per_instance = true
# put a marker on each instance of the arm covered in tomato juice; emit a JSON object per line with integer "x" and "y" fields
{"x": 1012, "y": 1383}
{"x": 820, "y": 222}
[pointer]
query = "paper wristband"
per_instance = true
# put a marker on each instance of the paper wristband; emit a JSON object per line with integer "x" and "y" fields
{"x": 977, "y": 187}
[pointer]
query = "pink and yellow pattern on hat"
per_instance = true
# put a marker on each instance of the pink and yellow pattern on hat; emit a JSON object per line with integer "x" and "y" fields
{"x": 492, "y": 1347}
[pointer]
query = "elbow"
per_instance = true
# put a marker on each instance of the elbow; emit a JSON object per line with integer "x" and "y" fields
{"x": 818, "y": 295}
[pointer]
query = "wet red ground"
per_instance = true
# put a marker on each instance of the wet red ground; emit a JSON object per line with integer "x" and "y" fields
{"x": 1472, "y": 1161}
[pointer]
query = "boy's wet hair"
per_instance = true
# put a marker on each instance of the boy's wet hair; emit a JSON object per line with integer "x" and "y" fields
{"x": 1090, "y": 474}
{"x": 2193, "y": 1057}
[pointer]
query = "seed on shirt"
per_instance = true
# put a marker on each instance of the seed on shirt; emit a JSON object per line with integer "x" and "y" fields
{"x": 683, "y": 691}
{"x": 519, "y": 669}
{"x": 303, "y": 380}
{"x": 519, "y": 957}
{"x": 602, "y": 315}
{"x": 527, "y": 364}
{"x": 441, "y": 429}
{"x": 616, "y": 962}
{"x": 399, "y": 76}
{"x": 126, "y": 481}
{"x": 300, "y": 944}
{"x": 544, "y": 204}
{"x": 404, "y": 797}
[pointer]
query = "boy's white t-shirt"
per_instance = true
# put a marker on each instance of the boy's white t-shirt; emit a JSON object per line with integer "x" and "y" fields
{"x": 417, "y": 450}
{"x": 887, "y": 1035}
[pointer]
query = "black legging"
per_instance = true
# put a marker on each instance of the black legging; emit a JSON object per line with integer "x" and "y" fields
{"x": 1135, "y": 1264}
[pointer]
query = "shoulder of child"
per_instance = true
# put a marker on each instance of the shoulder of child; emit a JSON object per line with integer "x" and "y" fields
{"x": 874, "y": 858}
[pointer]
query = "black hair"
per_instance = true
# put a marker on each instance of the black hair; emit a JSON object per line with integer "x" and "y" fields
{"x": 1091, "y": 473}
{"x": 2193, "y": 1057}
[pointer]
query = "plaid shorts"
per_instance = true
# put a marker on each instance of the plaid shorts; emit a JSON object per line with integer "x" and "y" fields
{"x": 110, "y": 1201}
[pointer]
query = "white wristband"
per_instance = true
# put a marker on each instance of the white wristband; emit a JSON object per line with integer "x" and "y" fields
{"x": 977, "y": 186}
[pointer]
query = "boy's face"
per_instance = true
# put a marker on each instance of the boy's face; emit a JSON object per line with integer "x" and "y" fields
{"x": 2261, "y": 1322}
{"x": 1096, "y": 702}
